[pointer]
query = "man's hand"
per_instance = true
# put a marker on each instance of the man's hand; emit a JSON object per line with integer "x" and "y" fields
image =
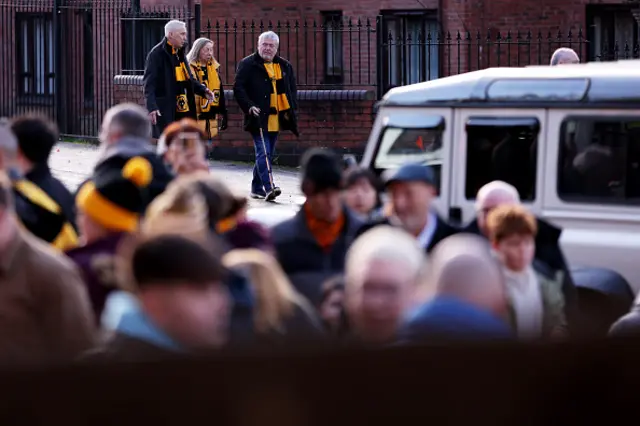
{"x": 153, "y": 115}
{"x": 208, "y": 93}
{"x": 255, "y": 111}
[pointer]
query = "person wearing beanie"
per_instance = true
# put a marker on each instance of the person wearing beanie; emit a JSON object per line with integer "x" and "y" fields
{"x": 311, "y": 246}
{"x": 183, "y": 305}
{"x": 109, "y": 208}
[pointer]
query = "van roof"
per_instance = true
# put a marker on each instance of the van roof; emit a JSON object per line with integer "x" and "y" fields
{"x": 599, "y": 82}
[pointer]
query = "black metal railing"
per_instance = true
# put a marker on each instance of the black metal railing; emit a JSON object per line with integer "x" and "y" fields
{"x": 60, "y": 57}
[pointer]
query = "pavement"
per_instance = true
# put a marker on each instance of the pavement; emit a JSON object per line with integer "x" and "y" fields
{"x": 72, "y": 163}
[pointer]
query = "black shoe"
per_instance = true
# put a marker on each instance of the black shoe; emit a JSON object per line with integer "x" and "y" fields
{"x": 257, "y": 195}
{"x": 275, "y": 192}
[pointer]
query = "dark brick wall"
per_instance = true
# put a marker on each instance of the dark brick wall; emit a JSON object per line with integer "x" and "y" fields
{"x": 340, "y": 120}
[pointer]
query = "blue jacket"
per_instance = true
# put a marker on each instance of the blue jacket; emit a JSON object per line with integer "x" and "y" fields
{"x": 451, "y": 319}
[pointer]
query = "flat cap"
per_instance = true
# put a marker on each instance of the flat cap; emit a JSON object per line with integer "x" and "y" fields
{"x": 410, "y": 173}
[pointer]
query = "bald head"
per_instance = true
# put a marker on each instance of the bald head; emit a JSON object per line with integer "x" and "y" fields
{"x": 125, "y": 120}
{"x": 463, "y": 267}
{"x": 496, "y": 193}
{"x": 564, "y": 55}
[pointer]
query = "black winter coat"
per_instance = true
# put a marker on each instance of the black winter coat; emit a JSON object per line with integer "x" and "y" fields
{"x": 160, "y": 85}
{"x": 252, "y": 87}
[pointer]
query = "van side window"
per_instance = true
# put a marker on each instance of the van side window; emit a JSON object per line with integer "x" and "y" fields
{"x": 599, "y": 160}
{"x": 400, "y": 146}
{"x": 503, "y": 149}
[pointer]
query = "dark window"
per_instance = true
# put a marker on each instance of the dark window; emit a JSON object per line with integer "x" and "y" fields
{"x": 333, "y": 28}
{"x": 502, "y": 149}
{"x": 400, "y": 146}
{"x": 87, "y": 56}
{"x": 35, "y": 40}
{"x": 139, "y": 35}
{"x": 599, "y": 160}
{"x": 410, "y": 48}
{"x": 612, "y": 33}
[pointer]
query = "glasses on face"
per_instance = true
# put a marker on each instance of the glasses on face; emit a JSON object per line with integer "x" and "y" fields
{"x": 187, "y": 140}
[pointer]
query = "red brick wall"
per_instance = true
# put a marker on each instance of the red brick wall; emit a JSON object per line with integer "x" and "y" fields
{"x": 486, "y": 16}
{"x": 342, "y": 125}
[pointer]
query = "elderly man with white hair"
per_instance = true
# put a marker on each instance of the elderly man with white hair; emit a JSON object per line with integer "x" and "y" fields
{"x": 381, "y": 283}
{"x": 564, "y": 55}
{"x": 265, "y": 88}
{"x": 548, "y": 256}
{"x": 169, "y": 84}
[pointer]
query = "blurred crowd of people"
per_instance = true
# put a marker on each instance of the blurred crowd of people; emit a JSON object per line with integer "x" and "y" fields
{"x": 154, "y": 256}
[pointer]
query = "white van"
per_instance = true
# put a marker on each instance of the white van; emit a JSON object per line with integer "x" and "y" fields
{"x": 567, "y": 137}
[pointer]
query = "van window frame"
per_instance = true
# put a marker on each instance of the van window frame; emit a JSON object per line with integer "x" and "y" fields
{"x": 581, "y": 199}
{"x": 504, "y": 122}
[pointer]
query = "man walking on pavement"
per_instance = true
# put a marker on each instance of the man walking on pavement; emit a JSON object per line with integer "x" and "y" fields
{"x": 265, "y": 88}
{"x": 169, "y": 84}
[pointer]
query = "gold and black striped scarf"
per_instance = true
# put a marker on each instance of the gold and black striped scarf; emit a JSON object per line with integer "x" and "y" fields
{"x": 183, "y": 86}
{"x": 279, "y": 101}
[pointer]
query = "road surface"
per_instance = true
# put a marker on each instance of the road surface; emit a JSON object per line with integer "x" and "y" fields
{"x": 72, "y": 163}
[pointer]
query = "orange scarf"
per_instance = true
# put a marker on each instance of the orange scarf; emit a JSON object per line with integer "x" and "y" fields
{"x": 325, "y": 233}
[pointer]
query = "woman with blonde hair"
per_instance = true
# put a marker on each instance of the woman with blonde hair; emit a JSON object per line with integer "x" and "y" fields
{"x": 281, "y": 314}
{"x": 207, "y": 70}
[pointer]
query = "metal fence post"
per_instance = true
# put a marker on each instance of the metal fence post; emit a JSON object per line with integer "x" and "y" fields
{"x": 58, "y": 68}
{"x": 198, "y": 19}
{"x": 379, "y": 59}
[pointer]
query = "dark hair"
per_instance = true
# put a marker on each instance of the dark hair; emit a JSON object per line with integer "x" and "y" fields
{"x": 356, "y": 173}
{"x": 170, "y": 259}
{"x": 321, "y": 169}
{"x": 36, "y": 137}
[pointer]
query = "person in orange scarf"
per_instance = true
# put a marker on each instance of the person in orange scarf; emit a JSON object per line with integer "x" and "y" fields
{"x": 311, "y": 246}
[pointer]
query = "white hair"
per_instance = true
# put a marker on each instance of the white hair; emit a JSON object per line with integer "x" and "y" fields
{"x": 194, "y": 53}
{"x": 385, "y": 243}
{"x": 564, "y": 55}
{"x": 269, "y": 35}
{"x": 173, "y": 26}
{"x": 497, "y": 187}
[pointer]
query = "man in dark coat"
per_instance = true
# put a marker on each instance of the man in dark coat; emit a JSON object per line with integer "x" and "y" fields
{"x": 548, "y": 256}
{"x": 312, "y": 245}
{"x": 265, "y": 88}
{"x": 169, "y": 84}
{"x": 411, "y": 189}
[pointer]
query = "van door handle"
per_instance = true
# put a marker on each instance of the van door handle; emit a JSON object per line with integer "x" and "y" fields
{"x": 455, "y": 215}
